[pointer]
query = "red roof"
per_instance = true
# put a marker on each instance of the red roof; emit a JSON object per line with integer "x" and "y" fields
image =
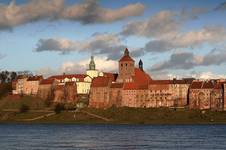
{"x": 175, "y": 81}
{"x": 116, "y": 85}
{"x": 47, "y": 81}
{"x": 141, "y": 81}
{"x": 112, "y": 76}
{"x": 35, "y": 78}
{"x": 126, "y": 58}
{"x": 100, "y": 81}
{"x": 196, "y": 85}
{"x": 70, "y": 76}
{"x": 134, "y": 86}
{"x": 141, "y": 77}
{"x": 160, "y": 81}
{"x": 208, "y": 85}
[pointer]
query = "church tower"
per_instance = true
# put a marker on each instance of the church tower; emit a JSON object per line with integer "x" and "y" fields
{"x": 92, "y": 72}
{"x": 126, "y": 68}
{"x": 92, "y": 65}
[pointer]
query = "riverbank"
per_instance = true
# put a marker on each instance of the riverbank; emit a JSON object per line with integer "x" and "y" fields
{"x": 117, "y": 116}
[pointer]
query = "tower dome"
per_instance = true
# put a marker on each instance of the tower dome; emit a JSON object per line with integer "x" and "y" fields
{"x": 92, "y": 65}
{"x": 141, "y": 64}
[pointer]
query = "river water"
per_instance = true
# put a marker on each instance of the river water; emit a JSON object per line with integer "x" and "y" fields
{"x": 129, "y": 137}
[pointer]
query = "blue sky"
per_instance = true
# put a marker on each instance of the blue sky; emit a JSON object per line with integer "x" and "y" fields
{"x": 173, "y": 38}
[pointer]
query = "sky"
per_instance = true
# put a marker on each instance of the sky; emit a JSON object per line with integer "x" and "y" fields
{"x": 174, "y": 38}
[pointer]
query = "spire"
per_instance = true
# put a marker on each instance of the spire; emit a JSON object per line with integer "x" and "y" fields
{"x": 92, "y": 65}
{"x": 126, "y": 52}
{"x": 141, "y": 64}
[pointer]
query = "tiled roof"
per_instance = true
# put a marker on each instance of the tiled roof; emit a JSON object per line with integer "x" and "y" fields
{"x": 35, "y": 78}
{"x": 131, "y": 86}
{"x": 178, "y": 81}
{"x": 116, "y": 85}
{"x": 70, "y": 76}
{"x": 126, "y": 58}
{"x": 141, "y": 81}
{"x": 47, "y": 81}
{"x": 134, "y": 86}
{"x": 208, "y": 85}
{"x": 112, "y": 76}
{"x": 196, "y": 85}
{"x": 100, "y": 82}
{"x": 141, "y": 77}
{"x": 160, "y": 81}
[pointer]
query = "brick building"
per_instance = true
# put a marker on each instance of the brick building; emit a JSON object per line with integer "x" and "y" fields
{"x": 206, "y": 95}
{"x": 46, "y": 89}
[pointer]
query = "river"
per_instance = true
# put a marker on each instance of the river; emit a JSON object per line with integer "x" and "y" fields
{"x": 129, "y": 137}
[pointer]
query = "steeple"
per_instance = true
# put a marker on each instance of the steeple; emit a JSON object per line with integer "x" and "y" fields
{"x": 92, "y": 65}
{"x": 141, "y": 65}
{"x": 126, "y": 52}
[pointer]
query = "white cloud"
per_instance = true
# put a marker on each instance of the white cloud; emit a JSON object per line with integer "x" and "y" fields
{"x": 208, "y": 75}
{"x": 70, "y": 67}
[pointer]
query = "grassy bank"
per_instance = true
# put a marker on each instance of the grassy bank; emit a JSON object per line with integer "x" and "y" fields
{"x": 122, "y": 116}
{"x": 40, "y": 112}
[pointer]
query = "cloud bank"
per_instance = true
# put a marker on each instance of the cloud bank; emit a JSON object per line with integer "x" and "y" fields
{"x": 87, "y": 12}
{"x": 188, "y": 60}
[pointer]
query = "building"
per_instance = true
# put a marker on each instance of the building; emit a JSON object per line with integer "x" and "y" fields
{"x": 46, "y": 89}
{"x": 82, "y": 81}
{"x": 126, "y": 68}
{"x": 129, "y": 88}
{"x": 179, "y": 90}
{"x": 65, "y": 93}
{"x": 133, "y": 87}
{"x": 160, "y": 94}
{"x": 32, "y": 84}
{"x": 19, "y": 85}
{"x": 99, "y": 94}
{"x": 27, "y": 85}
{"x": 206, "y": 95}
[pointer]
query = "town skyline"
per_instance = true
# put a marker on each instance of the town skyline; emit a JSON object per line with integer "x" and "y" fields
{"x": 174, "y": 39}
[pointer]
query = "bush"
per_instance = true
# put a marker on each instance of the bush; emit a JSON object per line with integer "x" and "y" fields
{"x": 5, "y": 88}
{"x": 24, "y": 108}
{"x": 58, "y": 108}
